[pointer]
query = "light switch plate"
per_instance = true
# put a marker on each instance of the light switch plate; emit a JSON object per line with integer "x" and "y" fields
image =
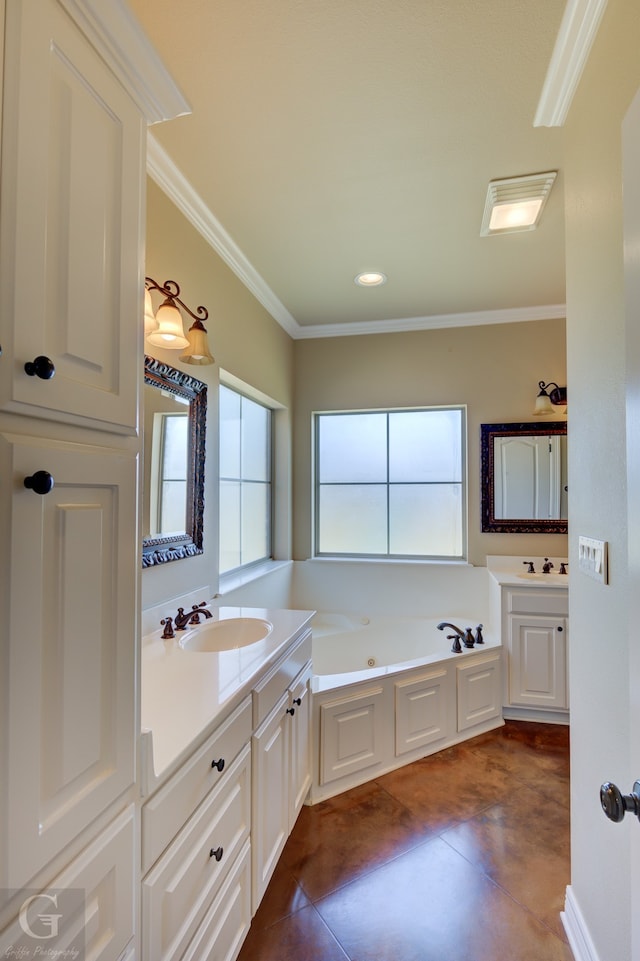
{"x": 593, "y": 558}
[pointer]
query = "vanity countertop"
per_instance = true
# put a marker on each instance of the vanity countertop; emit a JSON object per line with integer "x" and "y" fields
{"x": 512, "y": 572}
{"x": 183, "y": 692}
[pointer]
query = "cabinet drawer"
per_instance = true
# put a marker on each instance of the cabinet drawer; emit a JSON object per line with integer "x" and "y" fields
{"x": 180, "y": 889}
{"x": 226, "y": 923}
{"x": 165, "y": 813}
{"x": 271, "y": 688}
{"x": 538, "y": 602}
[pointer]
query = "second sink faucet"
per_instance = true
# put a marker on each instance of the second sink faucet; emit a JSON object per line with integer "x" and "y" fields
{"x": 183, "y": 617}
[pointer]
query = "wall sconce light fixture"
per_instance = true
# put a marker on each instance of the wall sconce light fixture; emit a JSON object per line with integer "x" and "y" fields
{"x": 545, "y": 402}
{"x": 165, "y": 328}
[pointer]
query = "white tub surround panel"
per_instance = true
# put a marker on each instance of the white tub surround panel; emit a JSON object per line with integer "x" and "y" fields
{"x": 370, "y": 720}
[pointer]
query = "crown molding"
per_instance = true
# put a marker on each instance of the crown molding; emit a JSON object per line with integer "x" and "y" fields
{"x": 511, "y": 315}
{"x": 172, "y": 181}
{"x": 121, "y": 41}
{"x": 169, "y": 178}
{"x": 572, "y": 48}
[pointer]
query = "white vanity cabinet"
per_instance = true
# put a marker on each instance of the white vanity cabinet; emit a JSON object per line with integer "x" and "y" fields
{"x": 197, "y": 829}
{"x": 281, "y": 759}
{"x": 76, "y": 100}
{"x": 535, "y": 623}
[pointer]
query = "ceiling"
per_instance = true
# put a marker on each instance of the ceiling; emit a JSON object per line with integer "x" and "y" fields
{"x": 329, "y": 137}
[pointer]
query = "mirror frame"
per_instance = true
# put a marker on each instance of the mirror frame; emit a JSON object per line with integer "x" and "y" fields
{"x": 488, "y": 433}
{"x": 161, "y": 550}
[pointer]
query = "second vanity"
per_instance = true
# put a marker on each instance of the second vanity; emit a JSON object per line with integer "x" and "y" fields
{"x": 222, "y": 730}
{"x": 532, "y": 609}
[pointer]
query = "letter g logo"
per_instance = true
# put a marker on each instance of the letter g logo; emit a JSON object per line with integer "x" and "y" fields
{"x": 49, "y": 922}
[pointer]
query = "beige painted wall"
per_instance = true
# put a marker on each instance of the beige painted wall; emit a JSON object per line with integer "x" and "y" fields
{"x": 494, "y": 370}
{"x": 596, "y": 368}
{"x": 246, "y": 342}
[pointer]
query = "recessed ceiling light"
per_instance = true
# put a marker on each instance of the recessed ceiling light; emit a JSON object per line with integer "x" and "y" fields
{"x": 516, "y": 203}
{"x": 370, "y": 278}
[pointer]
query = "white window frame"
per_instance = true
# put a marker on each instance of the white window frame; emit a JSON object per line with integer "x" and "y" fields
{"x": 230, "y": 572}
{"x": 389, "y": 556}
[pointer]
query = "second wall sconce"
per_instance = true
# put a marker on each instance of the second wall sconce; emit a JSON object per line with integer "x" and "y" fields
{"x": 545, "y": 402}
{"x": 164, "y": 329}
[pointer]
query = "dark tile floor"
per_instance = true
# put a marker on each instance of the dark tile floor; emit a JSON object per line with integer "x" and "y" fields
{"x": 462, "y": 856}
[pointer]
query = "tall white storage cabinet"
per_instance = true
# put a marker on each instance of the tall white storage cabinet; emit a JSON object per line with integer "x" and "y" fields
{"x": 71, "y": 237}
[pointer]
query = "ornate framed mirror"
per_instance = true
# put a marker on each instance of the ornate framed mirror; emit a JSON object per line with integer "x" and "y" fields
{"x": 175, "y": 412}
{"x": 523, "y": 478}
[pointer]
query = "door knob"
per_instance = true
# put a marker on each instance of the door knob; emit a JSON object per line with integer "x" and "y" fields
{"x": 42, "y": 367}
{"x": 615, "y": 804}
{"x": 41, "y": 482}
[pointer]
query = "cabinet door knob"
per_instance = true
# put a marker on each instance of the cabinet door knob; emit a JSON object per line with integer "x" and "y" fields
{"x": 297, "y": 700}
{"x": 216, "y": 853}
{"x": 559, "y": 628}
{"x": 41, "y": 482}
{"x": 615, "y": 804}
{"x": 291, "y": 711}
{"x": 219, "y": 764}
{"x": 42, "y": 367}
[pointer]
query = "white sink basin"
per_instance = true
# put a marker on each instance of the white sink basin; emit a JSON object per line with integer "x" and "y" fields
{"x": 227, "y": 635}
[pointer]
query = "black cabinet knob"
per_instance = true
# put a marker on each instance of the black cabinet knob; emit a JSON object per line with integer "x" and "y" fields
{"x": 219, "y": 764}
{"x": 291, "y": 711}
{"x": 42, "y": 367}
{"x": 41, "y": 482}
{"x": 216, "y": 853}
{"x": 615, "y": 804}
{"x": 297, "y": 700}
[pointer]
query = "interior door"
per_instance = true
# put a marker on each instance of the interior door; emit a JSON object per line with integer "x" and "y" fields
{"x": 631, "y": 183}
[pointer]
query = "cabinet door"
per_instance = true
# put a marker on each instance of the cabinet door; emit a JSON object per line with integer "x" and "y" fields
{"x": 70, "y": 229}
{"x": 68, "y": 688}
{"x": 270, "y": 813}
{"x": 537, "y": 661}
{"x": 300, "y": 743}
{"x": 422, "y": 715}
{"x": 479, "y": 686}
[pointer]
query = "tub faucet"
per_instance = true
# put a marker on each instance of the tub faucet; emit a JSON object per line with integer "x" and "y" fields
{"x": 183, "y": 617}
{"x": 465, "y": 636}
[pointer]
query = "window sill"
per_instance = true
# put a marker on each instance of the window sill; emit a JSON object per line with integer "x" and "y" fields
{"x": 230, "y": 582}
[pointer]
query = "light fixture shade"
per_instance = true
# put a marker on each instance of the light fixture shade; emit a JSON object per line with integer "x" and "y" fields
{"x": 170, "y": 332}
{"x": 543, "y": 404}
{"x": 197, "y": 352}
{"x": 150, "y": 322}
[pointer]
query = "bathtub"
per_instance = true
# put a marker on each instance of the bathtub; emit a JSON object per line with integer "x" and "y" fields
{"x": 387, "y": 691}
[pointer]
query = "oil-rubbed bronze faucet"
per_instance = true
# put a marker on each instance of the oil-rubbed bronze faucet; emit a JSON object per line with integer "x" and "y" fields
{"x": 183, "y": 617}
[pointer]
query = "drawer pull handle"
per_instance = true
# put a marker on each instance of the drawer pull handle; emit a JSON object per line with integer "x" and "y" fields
{"x": 297, "y": 700}
{"x": 216, "y": 853}
{"x": 41, "y": 482}
{"x": 42, "y": 367}
{"x": 291, "y": 711}
{"x": 219, "y": 764}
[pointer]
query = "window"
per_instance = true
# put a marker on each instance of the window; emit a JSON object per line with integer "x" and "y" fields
{"x": 245, "y": 480}
{"x": 169, "y": 473}
{"x": 391, "y": 483}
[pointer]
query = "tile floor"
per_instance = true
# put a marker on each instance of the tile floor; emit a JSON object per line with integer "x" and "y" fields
{"x": 462, "y": 856}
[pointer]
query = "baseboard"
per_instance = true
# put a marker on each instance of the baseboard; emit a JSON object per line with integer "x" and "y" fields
{"x": 576, "y": 929}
